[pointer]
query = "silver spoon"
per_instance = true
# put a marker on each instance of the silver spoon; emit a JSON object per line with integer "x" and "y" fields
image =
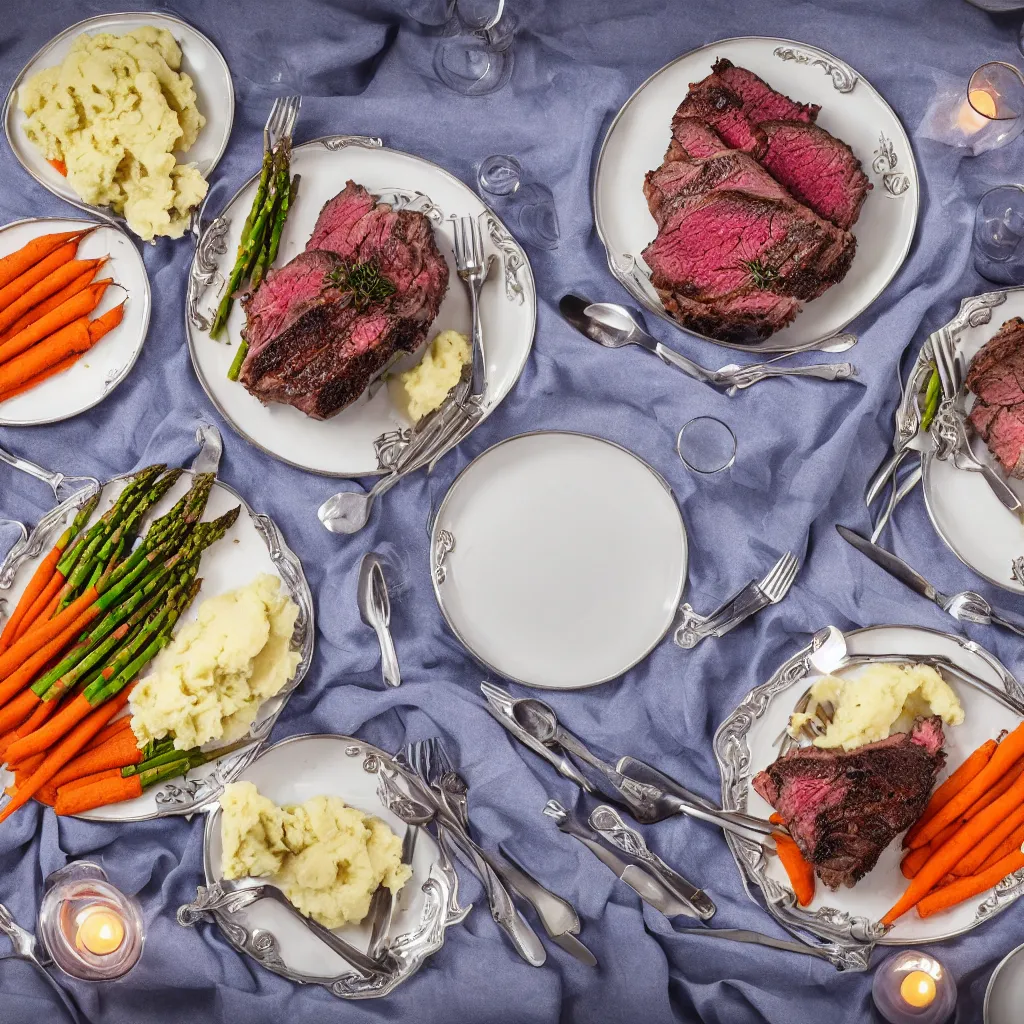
{"x": 375, "y": 611}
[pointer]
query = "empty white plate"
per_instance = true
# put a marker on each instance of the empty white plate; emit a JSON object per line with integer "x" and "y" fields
{"x": 559, "y": 559}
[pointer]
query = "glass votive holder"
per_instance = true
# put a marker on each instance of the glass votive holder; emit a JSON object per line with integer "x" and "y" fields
{"x": 528, "y": 208}
{"x": 91, "y": 929}
{"x": 998, "y": 234}
{"x": 913, "y": 988}
{"x": 706, "y": 445}
{"x": 993, "y": 112}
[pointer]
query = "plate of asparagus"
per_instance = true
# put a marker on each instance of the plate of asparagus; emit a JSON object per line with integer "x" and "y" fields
{"x": 96, "y": 592}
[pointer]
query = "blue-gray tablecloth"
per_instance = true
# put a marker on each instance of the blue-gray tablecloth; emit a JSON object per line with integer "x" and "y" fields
{"x": 805, "y": 452}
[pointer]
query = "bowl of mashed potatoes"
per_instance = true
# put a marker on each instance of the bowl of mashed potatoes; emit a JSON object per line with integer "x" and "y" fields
{"x": 124, "y": 115}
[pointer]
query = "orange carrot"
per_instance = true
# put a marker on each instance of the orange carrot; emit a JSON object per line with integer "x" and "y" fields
{"x": 15, "y": 713}
{"x": 28, "y": 256}
{"x": 947, "y": 856}
{"x": 965, "y": 888}
{"x": 111, "y": 730}
{"x": 50, "y": 304}
{"x": 102, "y": 324}
{"x": 22, "y": 285}
{"x": 36, "y": 586}
{"x": 113, "y": 790}
{"x": 801, "y": 873}
{"x": 26, "y": 672}
{"x": 52, "y": 283}
{"x": 1007, "y": 846}
{"x": 59, "y": 166}
{"x": 68, "y": 312}
{"x": 65, "y": 750}
{"x": 44, "y": 798}
{"x": 88, "y": 780}
{"x": 1006, "y": 755}
{"x": 50, "y": 733}
{"x": 29, "y": 765}
{"x": 40, "y": 604}
{"x": 971, "y": 864}
{"x": 60, "y": 367}
{"x": 43, "y": 632}
{"x": 118, "y": 752}
{"x": 916, "y": 859}
{"x": 36, "y": 719}
{"x": 949, "y": 789}
{"x": 68, "y": 341}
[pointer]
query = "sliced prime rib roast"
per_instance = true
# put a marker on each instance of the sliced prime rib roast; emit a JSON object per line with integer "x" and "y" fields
{"x": 760, "y": 101}
{"x": 844, "y": 808}
{"x": 996, "y": 377}
{"x": 311, "y": 345}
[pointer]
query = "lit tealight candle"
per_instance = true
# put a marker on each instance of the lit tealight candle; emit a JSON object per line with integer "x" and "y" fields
{"x": 918, "y": 989}
{"x": 100, "y": 931}
{"x": 983, "y": 102}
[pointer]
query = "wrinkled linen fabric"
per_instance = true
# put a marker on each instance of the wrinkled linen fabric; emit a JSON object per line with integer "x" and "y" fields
{"x": 806, "y": 451}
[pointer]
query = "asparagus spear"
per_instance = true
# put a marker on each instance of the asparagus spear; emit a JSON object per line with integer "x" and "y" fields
{"x": 286, "y": 203}
{"x": 276, "y": 202}
{"x": 191, "y": 758}
{"x": 931, "y": 399}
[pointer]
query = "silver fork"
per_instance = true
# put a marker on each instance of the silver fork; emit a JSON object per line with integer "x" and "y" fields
{"x": 755, "y": 596}
{"x": 63, "y": 487}
{"x": 281, "y": 123}
{"x": 473, "y": 267}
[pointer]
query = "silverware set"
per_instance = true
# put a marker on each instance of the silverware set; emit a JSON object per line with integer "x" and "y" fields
{"x": 754, "y": 597}
{"x": 615, "y": 326}
{"x": 430, "y": 790}
{"x": 437, "y": 433}
{"x": 375, "y": 611}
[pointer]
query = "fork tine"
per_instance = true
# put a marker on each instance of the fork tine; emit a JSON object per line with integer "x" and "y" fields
{"x": 785, "y": 581}
{"x": 773, "y": 573}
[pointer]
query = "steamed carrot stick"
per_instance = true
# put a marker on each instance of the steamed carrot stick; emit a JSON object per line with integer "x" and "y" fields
{"x": 1006, "y": 755}
{"x": 15, "y": 264}
{"x": 40, "y": 604}
{"x": 88, "y": 780}
{"x": 98, "y": 794}
{"x": 50, "y": 304}
{"x": 109, "y": 731}
{"x": 68, "y": 312}
{"x": 800, "y": 872}
{"x": 971, "y": 864}
{"x": 965, "y": 888}
{"x": 36, "y": 719}
{"x": 29, "y": 765}
{"x": 40, "y": 635}
{"x": 953, "y": 785}
{"x": 52, "y": 283}
{"x": 66, "y": 749}
{"x": 14, "y": 714}
{"x": 916, "y": 859}
{"x": 44, "y": 798}
{"x": 60, "y": 367}
{"x": 26, "y": 282}
{"x": 118, "y": 752}
{"x": 36, "y": 586}
{"x": 59, "y": 166}
{"x": 944, "y": 859}
{"x": 68, "y": 341}
{"x": 1006, "y": 847}
{"x": 102, "y": 324}
{"x": 26, "y": 672}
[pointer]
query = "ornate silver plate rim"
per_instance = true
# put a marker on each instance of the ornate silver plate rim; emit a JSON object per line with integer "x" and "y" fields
{"x": 442, "y": 543}
{"x": 105, "y": 213}
{"x": 147, "y": 306}
{"x": 844, "y": 79}
{"x": 834, "y": 927}
{"x": 203, "y": 271}
{"x": 443, "y": 897}
{"x": 193, "y": 795}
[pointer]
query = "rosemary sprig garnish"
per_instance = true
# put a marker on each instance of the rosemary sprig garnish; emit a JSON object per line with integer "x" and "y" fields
{"x": 763, "y": 274}
{"x": 364, "y": 280}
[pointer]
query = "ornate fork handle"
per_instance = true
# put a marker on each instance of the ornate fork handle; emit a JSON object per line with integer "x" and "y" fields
{"x": 72, "y": 484}
{"x": 692, "y": 627}
{"x": 747, "y": 376}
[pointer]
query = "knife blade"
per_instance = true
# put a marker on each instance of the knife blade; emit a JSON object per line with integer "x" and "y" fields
{"x": 574, "y": 948}
{"x": 894, "y": 566}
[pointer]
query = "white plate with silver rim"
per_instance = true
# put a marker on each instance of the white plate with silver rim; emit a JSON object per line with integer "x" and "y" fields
{"x": 200, "y": 59}
{"x": 559, "y": 559}
{"x": 291, "y": 772}
{"x": 1005, "y": 993}
{"x": 362, "y": 439}
{"x": 745, "y": 744}
{"x": 972, "y": 522}
{"x": 253, "y": 545}
{"x": 102, "y": 368}
{"x": 851, "y": 109}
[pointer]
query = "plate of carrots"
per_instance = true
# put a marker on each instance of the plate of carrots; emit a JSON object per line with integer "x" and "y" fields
{"x": 958, "y": 865}
{"x": 111, "y": 578}
{"x": 74, "y": 311}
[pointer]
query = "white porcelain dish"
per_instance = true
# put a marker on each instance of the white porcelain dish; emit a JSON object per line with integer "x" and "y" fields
{"x": 201, "y": 60}
{"x": 559, "y": 559}
{"x": 291, "y": 772}
{"x": 357, "y": 442}
{"x": 252, "y": 545}
{"x": 1005, "y": 993}
{"x": 966, "y": 514}
{"x": 101, "y": 369}
{"x": 851, "y": 109}
{"x": 745, "y": 744}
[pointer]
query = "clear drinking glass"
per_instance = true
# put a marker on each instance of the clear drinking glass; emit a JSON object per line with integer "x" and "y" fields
{"x": 992, "y": 114}
{"x": 475, "y": 55}
{"x": 998, "y": 234}
{"x": 528, "y": 209}
{"x": 706, "y": 445}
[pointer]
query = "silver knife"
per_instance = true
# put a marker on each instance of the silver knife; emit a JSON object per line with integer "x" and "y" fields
{"x": 382, "y": 906}
{"x": 644, "y": 884}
